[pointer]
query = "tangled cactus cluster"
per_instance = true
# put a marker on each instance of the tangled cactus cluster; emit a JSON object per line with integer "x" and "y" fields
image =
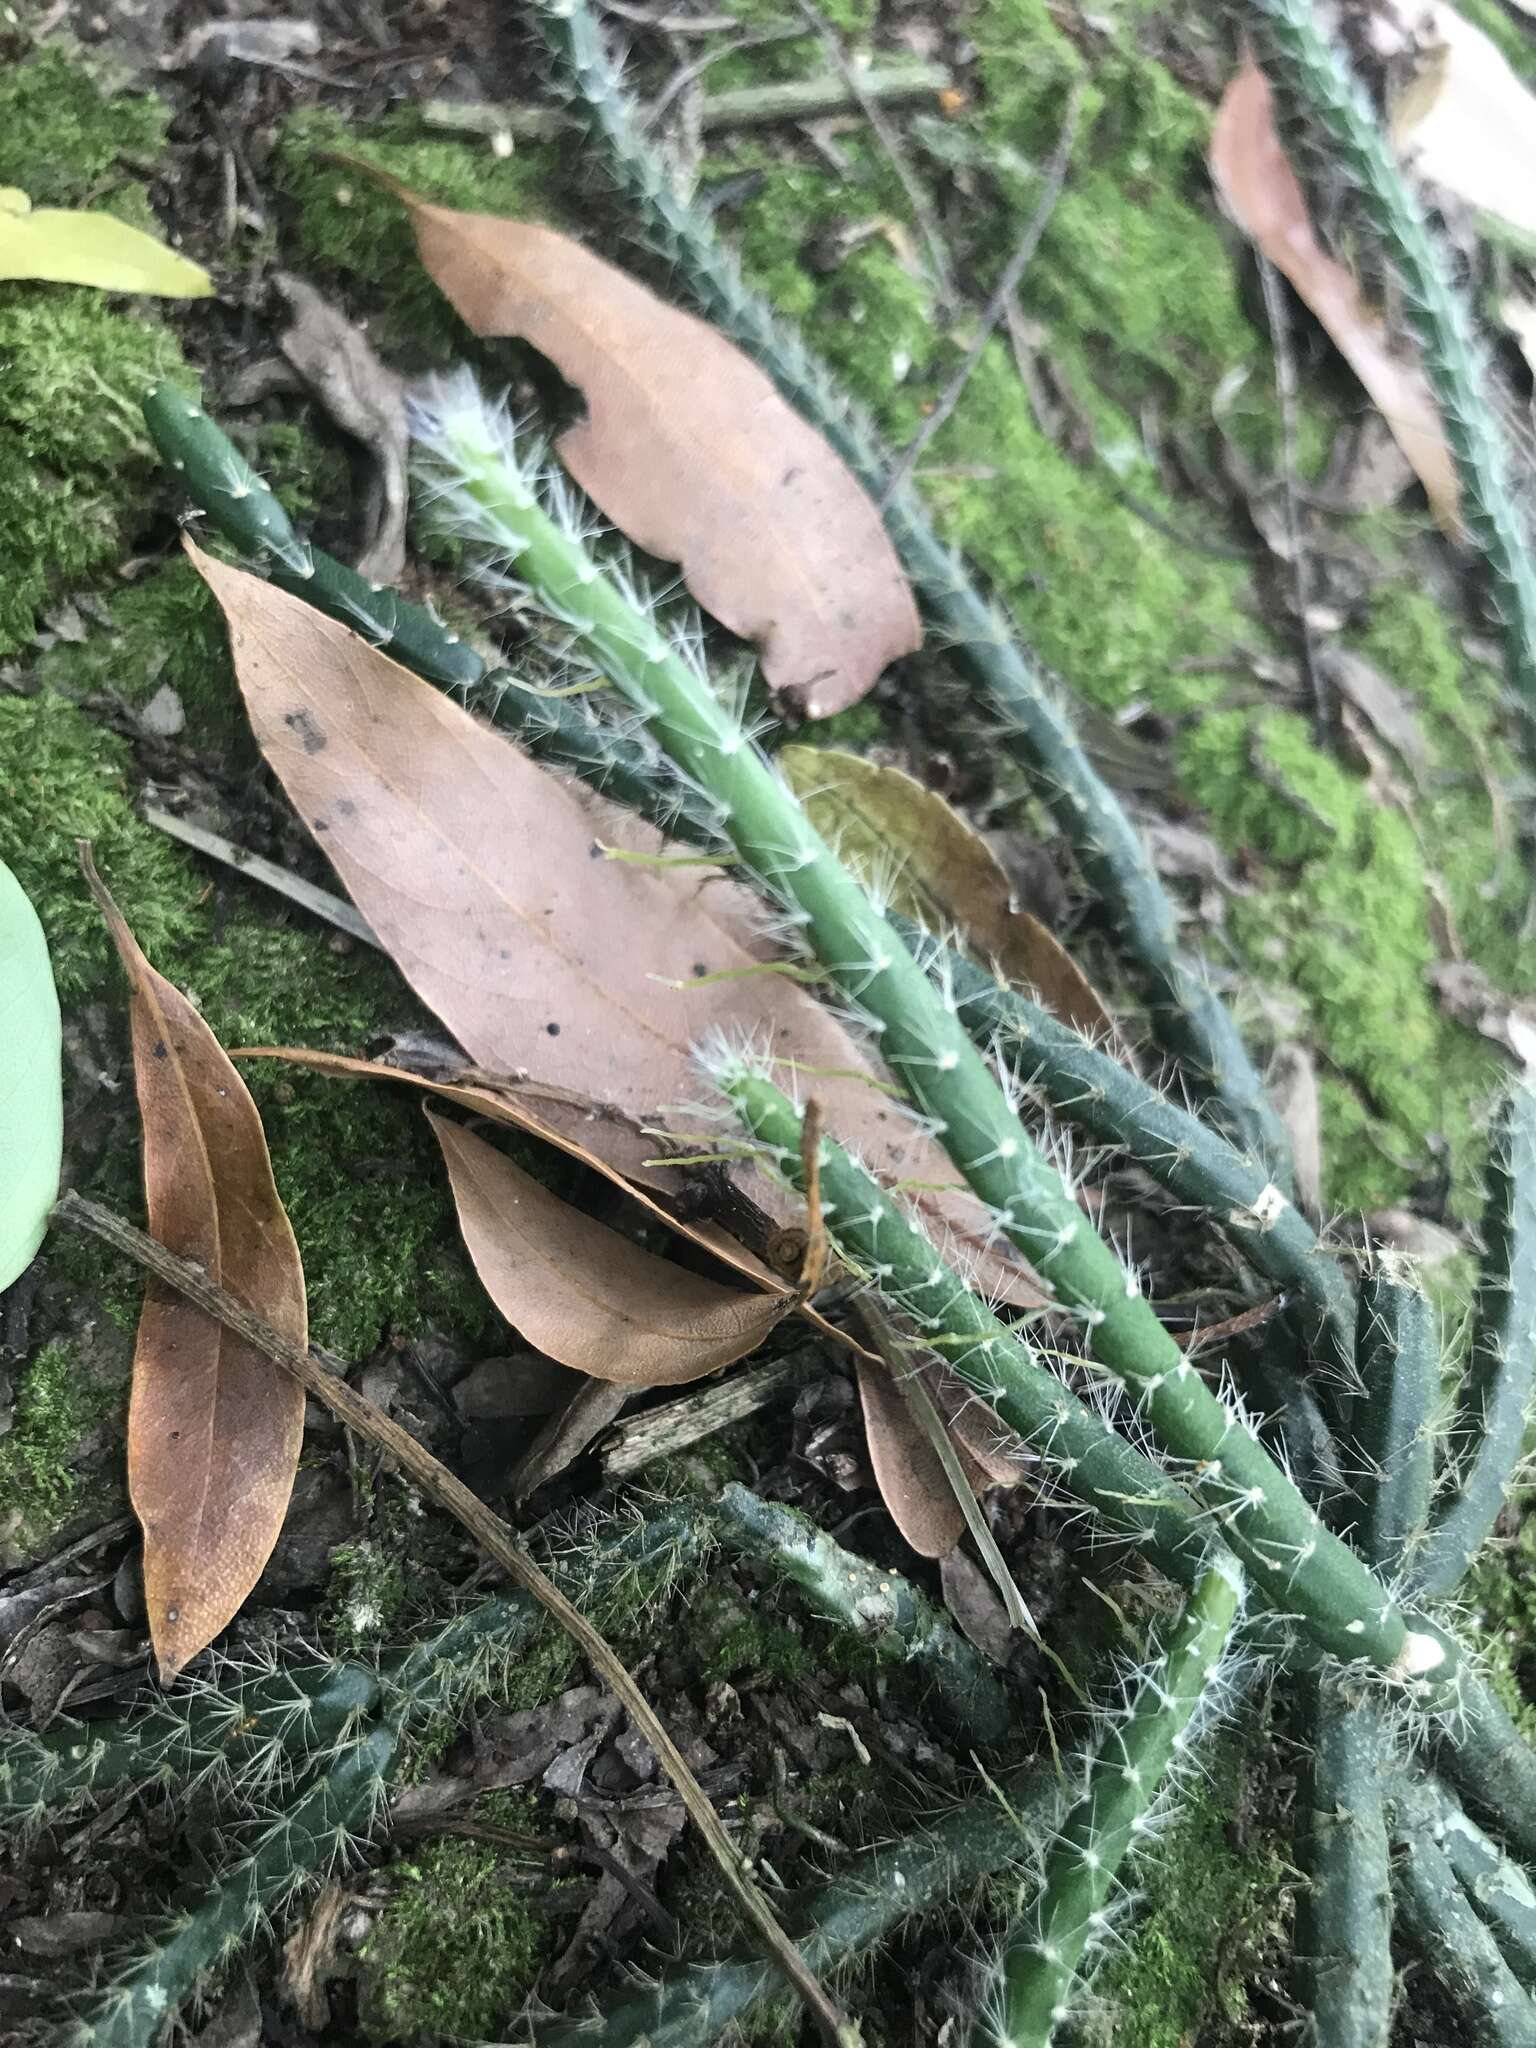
{"x": 1324, "y": 1563}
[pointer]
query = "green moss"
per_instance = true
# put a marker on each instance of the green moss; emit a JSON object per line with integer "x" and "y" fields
{"x": 456, "y": 1946}
{"x": 1500, "y": 1595}
{"x": 74, "y": 463}
{"x": 62, "y": 137}
{"x": 58, "y": 1399}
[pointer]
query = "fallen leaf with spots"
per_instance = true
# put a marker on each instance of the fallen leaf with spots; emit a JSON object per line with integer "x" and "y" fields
{"x": 214, "y": 1427}
{"x": 486, "y": 879}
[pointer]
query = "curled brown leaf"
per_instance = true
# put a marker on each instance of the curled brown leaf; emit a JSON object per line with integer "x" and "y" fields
{"x": 214, "y": 1428}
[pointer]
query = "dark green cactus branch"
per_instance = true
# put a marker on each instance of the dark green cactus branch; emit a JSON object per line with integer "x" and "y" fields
{"x": 1188, "y": 1016}
{"x": 1497, "y": 1887}
{"x": 1437, "y": 1913}
{"x": 1124, "y": 1776}
{"x": 1487, "y": 1435}
{"x": 1319, "y": 74}
{"x": 886, "y": 1610}
{"x": 134, "y": 2006}
{"x": 237, "y": 504}
{"x": 256, "y": 1733}
{"x": 692, "y": 2006}
{"x": 1391, "y": 1420}
{"x": 1194, "y": 1163}
{"x": 1344, "y": 1973}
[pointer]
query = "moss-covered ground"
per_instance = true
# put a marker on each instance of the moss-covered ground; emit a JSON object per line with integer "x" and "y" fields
{"x": 1114, "y": 543}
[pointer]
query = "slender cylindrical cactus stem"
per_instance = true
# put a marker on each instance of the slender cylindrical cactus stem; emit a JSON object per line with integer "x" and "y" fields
{"x": 1189, "y": 1019}
{"x": 133, "y": 2007}
{"x": 1344, "y": 1912}
{"x": 1124, "y": 1776}
{"x": 1436, "y": 1912}
{"x": 1319, "y": 74}
{"x": 1298, "y": 1565}
{"x": 1391, "y": 1441}
{"x": 1487, "y": 1434}
{"x": 921, "y": 1038}
{"x": 1499, "y": 1889}
{"x": 891, "y": 1614}
{"x": 240, "y": 1735}
{"x": 1087, "y": 1088}
{"x": 1482, "y": 1752}
{"x": 238, "y": 505}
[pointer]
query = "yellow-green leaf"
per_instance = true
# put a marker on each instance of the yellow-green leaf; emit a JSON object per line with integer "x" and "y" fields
{"x": 922, "y": 859}
{"x": 31, "y": 1088}
{"x": 54, "y": 246}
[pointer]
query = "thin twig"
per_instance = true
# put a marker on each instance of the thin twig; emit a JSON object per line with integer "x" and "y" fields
{"x": 1285, "y": 393}
{"x": 660, "y": 1432}
{"x": 748, "y": 106}
{"x": 307, "y": 895}
{"x": 873, "y": 111}
{"x": 322, "y": 1379}
{"x": 1001, "y": 299}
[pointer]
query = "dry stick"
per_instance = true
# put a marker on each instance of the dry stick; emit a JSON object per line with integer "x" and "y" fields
{"x": 494, "y": 1538}
{"x": 750, "y": 106}
{"x": 997, "y": 305}
{"x": 1285, "y": 392}
{"x": 890, "y": 142}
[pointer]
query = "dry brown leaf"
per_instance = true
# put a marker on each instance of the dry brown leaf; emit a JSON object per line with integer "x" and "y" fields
{"x": 1260, "y": 190}
{"x": 581, "y": 1293}
{"x": 906, "y": 842}
{"x": 690, "y": 450}
{"x": 482, "y": 876}
{"x": 214, "y": 1428}
{"x": 908, "y": 1470}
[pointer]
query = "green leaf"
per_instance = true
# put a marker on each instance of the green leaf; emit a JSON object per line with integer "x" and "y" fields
{"x": 31, "y": 1085}
{"x": 54, "y": 246}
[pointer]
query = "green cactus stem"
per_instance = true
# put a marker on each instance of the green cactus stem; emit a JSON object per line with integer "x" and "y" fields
{"x": 1297, "y": 1563}
{"x": 1487, "y": 1433}
{"x": 1124, "y": 1775}
{"x": 1264, "y": 1516}
{"x": 1499, "y": 1889}
{"x": 1344, "y": 1975}
{"x": 886, "y": 1610}
{"x": 1399, "y": 1357}
{"x": 133, "y": 2006}
{"x": 1088, "y": 1089}
{"x": 238, "y": 505}
{"x": 1436, "y": 1912}
{"x": 1188, "y": 1018}
{"x": 265, "y": 1730}
{"x": 1318, "y": 73}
